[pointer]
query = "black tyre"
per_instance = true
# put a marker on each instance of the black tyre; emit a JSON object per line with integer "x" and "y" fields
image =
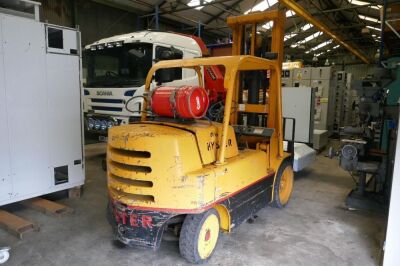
{"x": 104, "y": 164}
{"x": 199, "y": 236}
{"x": 110, "y": 215}
{"x": 283, "y": 186}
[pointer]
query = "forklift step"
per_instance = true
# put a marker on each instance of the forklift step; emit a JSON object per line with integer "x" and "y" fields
{"x": 16, "y": 225}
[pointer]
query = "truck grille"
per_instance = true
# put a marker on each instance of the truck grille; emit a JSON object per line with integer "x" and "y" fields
{"x": 107, "y": 101}
{"x": 107, "y": 108}
{"x": 128, "y": 175}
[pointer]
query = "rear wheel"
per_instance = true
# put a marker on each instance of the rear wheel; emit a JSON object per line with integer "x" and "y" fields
{"x": 283, "y": 186}
{"x": 199, "y": 236}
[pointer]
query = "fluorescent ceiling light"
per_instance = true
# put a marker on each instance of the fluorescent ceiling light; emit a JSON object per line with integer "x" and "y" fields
{"x": 291, "y": 35}
{"x": 335, "y": 47}
{"x": 307, "y": 39}
{"x": 362, "y": 3}
{"x": 290, "y": 13}
{"x": 197, "y": 2}
{"x": 374, "y": 28}
{"x": 321, "y": 45}
{"x": 369, "y": 18}
{"x": 307, "y": 27}
{"x": 288, "y": 36}
{"x": 263, "y": 5}
{"x": 312, "y": 36}
{"x": 268, "y": 25}
{"x": 319, "y": 54}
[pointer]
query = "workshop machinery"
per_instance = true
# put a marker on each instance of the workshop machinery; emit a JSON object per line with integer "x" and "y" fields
{"x": 174, "y": 170}
{"x": 367, "y": 149}
{"x": 340, "y": 83}
{"x": 350, "y": 101}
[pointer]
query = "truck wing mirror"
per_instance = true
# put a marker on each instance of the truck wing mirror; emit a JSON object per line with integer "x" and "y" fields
{"x": 164, "y": 75}
{"x": 166, "y": 55}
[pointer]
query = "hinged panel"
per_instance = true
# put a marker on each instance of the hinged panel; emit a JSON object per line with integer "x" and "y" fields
{"x": 25, "y": 78}
{"x": 5, "y": 179}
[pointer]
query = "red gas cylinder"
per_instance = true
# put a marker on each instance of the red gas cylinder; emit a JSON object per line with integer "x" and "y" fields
{"x": 184, "y": 102}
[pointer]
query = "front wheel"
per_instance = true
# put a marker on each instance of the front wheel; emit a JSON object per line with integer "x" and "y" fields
{"x": 283, "y": 186}
{"x": 199, "y": 236}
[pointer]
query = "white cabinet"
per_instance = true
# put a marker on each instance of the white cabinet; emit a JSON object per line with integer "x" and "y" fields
{"x": 40, "y": 109}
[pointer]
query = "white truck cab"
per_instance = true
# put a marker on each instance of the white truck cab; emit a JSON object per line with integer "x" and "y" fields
{"x": 116, "y": 69}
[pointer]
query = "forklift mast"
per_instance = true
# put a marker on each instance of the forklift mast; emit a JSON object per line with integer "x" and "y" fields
{"x": 270, "y": 109}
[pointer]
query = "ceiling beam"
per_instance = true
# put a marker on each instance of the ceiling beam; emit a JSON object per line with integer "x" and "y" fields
{"x": 229, "y": 9}
{"x": 164, "y": 20}
{"x": 223, "y": 12}
{"x": 186, "y": 7}
{"x": 322, "y": 27}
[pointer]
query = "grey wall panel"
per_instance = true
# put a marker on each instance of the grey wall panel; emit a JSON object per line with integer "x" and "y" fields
{"x": 359, "y": 71}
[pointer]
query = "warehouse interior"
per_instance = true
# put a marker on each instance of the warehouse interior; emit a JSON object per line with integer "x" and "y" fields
{"x": 214, "y": 132}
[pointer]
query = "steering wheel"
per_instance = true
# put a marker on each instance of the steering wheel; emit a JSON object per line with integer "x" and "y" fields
{"x": 110, "y": 73}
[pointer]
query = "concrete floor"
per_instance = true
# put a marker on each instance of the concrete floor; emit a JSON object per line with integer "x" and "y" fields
{"x": 314, "y": 229}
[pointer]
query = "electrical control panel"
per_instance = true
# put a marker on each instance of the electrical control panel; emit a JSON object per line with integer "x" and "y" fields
{"x": 40, "y": 102}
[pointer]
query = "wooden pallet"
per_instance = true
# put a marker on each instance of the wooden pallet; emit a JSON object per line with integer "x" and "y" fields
{"x": 16, "y": 225}
{"x": 75, "y": 192}
{"x": 47, "y": 206}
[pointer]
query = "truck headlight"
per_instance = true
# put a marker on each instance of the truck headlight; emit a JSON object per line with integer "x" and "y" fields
{"x": 90, "y": 123}
{"x": 97, "y": 124}
{"x": 103, "y": 125}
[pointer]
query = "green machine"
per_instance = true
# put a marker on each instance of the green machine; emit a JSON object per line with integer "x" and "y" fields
{"x": 367, "y": 148}
{"x": 393, "y": 88}
{"x": 392, "y": 99}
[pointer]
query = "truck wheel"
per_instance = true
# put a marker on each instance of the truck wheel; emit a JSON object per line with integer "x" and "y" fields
{"x": 104, "y": 164}
{"x": 283, "y": 185}
{"x": 199, "y": 236}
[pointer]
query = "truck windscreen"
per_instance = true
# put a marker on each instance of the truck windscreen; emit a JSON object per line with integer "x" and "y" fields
{"x": 123, "y": 66}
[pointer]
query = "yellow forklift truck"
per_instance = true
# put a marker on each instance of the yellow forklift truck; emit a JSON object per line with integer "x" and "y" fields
{"x": 175, "y": 170}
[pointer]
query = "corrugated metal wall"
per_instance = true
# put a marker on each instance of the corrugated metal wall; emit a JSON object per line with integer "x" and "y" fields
{"x": 57, "y": 12}
{"x": 98, "y": 21}
{"x": 95, "y": 21}
{"x": 361, "y": 70}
